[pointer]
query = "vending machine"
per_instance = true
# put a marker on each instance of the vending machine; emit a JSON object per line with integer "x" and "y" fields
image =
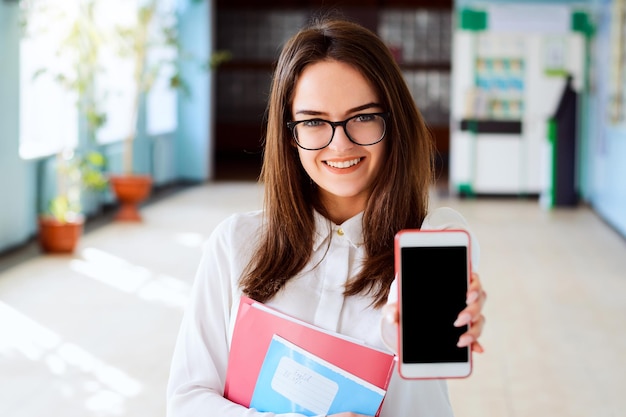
{"x": 510, "y": 64}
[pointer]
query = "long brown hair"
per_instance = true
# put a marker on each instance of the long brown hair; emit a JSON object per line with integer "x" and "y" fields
{"x": 399, "y": 197}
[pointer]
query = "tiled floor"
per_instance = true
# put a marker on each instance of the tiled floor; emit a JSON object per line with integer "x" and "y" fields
{"x": 91, "y": 335}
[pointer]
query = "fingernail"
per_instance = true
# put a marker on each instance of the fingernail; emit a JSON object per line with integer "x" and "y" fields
{"x": 473, "y": 296}
{"x": 463, "y": 319}
{"x": 465, "y": 340}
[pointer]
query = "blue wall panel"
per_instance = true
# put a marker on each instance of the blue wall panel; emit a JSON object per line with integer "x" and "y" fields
{"x": 17, "y": 177}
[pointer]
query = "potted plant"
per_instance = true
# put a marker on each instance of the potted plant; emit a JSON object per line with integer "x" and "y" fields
{"x": 129, "y": 187}
{"x": 61, "y": 226}
{"x": 153, "y": 34}
{"x": 152, "y": 30}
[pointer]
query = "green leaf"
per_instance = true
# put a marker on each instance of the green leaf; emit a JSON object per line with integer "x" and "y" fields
{"x": 63, "y": 210}
{"x": 96, "y": 159}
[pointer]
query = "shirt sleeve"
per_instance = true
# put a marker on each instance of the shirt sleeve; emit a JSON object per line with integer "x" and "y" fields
{"x": 198, "y": 368}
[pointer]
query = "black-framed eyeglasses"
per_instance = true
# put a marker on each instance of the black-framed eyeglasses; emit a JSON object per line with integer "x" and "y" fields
{"x": 364, "y": 129}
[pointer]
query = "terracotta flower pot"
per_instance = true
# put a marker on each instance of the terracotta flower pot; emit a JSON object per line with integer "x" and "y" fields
{"x": 130, "y": 191}
{"x": 59, "y": 237}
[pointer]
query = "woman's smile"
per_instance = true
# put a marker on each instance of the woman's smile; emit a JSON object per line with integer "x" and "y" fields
{"x": 343, "y": 164}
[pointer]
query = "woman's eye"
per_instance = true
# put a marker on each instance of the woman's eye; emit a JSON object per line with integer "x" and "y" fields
{"x": 364, "y": 118}
{"x": 312, "y": 123}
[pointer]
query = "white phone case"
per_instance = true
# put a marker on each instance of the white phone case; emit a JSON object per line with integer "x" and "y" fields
{"x": 438, "y": 266}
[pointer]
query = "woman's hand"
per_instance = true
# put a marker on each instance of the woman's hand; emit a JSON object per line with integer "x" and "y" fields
{"x": 472, "y": 314}
{"x": 476, "y": 297}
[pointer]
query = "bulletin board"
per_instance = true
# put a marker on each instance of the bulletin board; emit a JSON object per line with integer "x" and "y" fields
{"x": 503, "y": 79}
{"x": 499, "y": 68}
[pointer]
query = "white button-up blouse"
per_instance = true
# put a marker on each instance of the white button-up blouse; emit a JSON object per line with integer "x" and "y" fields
{"x": 198, "y": 367}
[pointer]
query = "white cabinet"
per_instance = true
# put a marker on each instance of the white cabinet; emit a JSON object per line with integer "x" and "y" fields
{"x": 505, "y": 88}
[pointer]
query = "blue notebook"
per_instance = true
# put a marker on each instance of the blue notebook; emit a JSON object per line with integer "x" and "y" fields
{"x": 294, "y": 380}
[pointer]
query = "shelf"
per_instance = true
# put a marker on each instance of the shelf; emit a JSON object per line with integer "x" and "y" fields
{"x": 512, "y": 127}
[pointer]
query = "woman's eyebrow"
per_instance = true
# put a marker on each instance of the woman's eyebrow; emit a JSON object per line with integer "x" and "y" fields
{"x": 365, "y": 107}
{"x": 352, "y": 110}
{"x": 310, "y": 112}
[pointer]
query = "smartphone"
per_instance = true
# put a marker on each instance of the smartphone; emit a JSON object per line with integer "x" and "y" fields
{"x": 433, "y": 272}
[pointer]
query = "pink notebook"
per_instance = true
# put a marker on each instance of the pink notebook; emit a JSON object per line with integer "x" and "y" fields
{"x": 256, "y": 325}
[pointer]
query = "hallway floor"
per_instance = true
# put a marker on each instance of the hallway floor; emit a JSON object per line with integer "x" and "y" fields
{"x": 91, "y": 335}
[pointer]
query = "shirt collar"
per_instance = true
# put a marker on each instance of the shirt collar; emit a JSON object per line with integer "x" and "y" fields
{"x": 351, "y": 230}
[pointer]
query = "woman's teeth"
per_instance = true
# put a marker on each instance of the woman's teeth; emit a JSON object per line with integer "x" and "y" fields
{"x": 344, "y": 164}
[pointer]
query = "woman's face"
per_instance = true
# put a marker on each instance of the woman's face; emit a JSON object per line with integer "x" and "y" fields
{"x": 343, "y": 171}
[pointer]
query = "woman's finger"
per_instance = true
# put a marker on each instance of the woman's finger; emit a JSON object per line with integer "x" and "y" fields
{"x": 471, "y": 336}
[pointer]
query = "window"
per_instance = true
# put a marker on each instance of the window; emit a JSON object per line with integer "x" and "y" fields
{"x": 50, "y": 54}
{"x": 48, "y": 112}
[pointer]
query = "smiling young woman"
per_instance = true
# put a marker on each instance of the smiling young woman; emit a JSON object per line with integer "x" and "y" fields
{"x": 348, "y": 162}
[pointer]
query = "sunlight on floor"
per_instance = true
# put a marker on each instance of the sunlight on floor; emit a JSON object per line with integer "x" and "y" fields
{"x": 24, "y": 338}
{"x": 130, "y": 278}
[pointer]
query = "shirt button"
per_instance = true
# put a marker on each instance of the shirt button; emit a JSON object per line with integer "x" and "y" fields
{"x": 340, "y": 231}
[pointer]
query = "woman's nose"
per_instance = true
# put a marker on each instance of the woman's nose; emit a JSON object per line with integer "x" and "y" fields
{"x": 340, "y": 141}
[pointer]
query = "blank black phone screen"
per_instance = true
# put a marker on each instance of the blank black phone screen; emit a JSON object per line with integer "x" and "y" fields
{"x": 434, "y": 289}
